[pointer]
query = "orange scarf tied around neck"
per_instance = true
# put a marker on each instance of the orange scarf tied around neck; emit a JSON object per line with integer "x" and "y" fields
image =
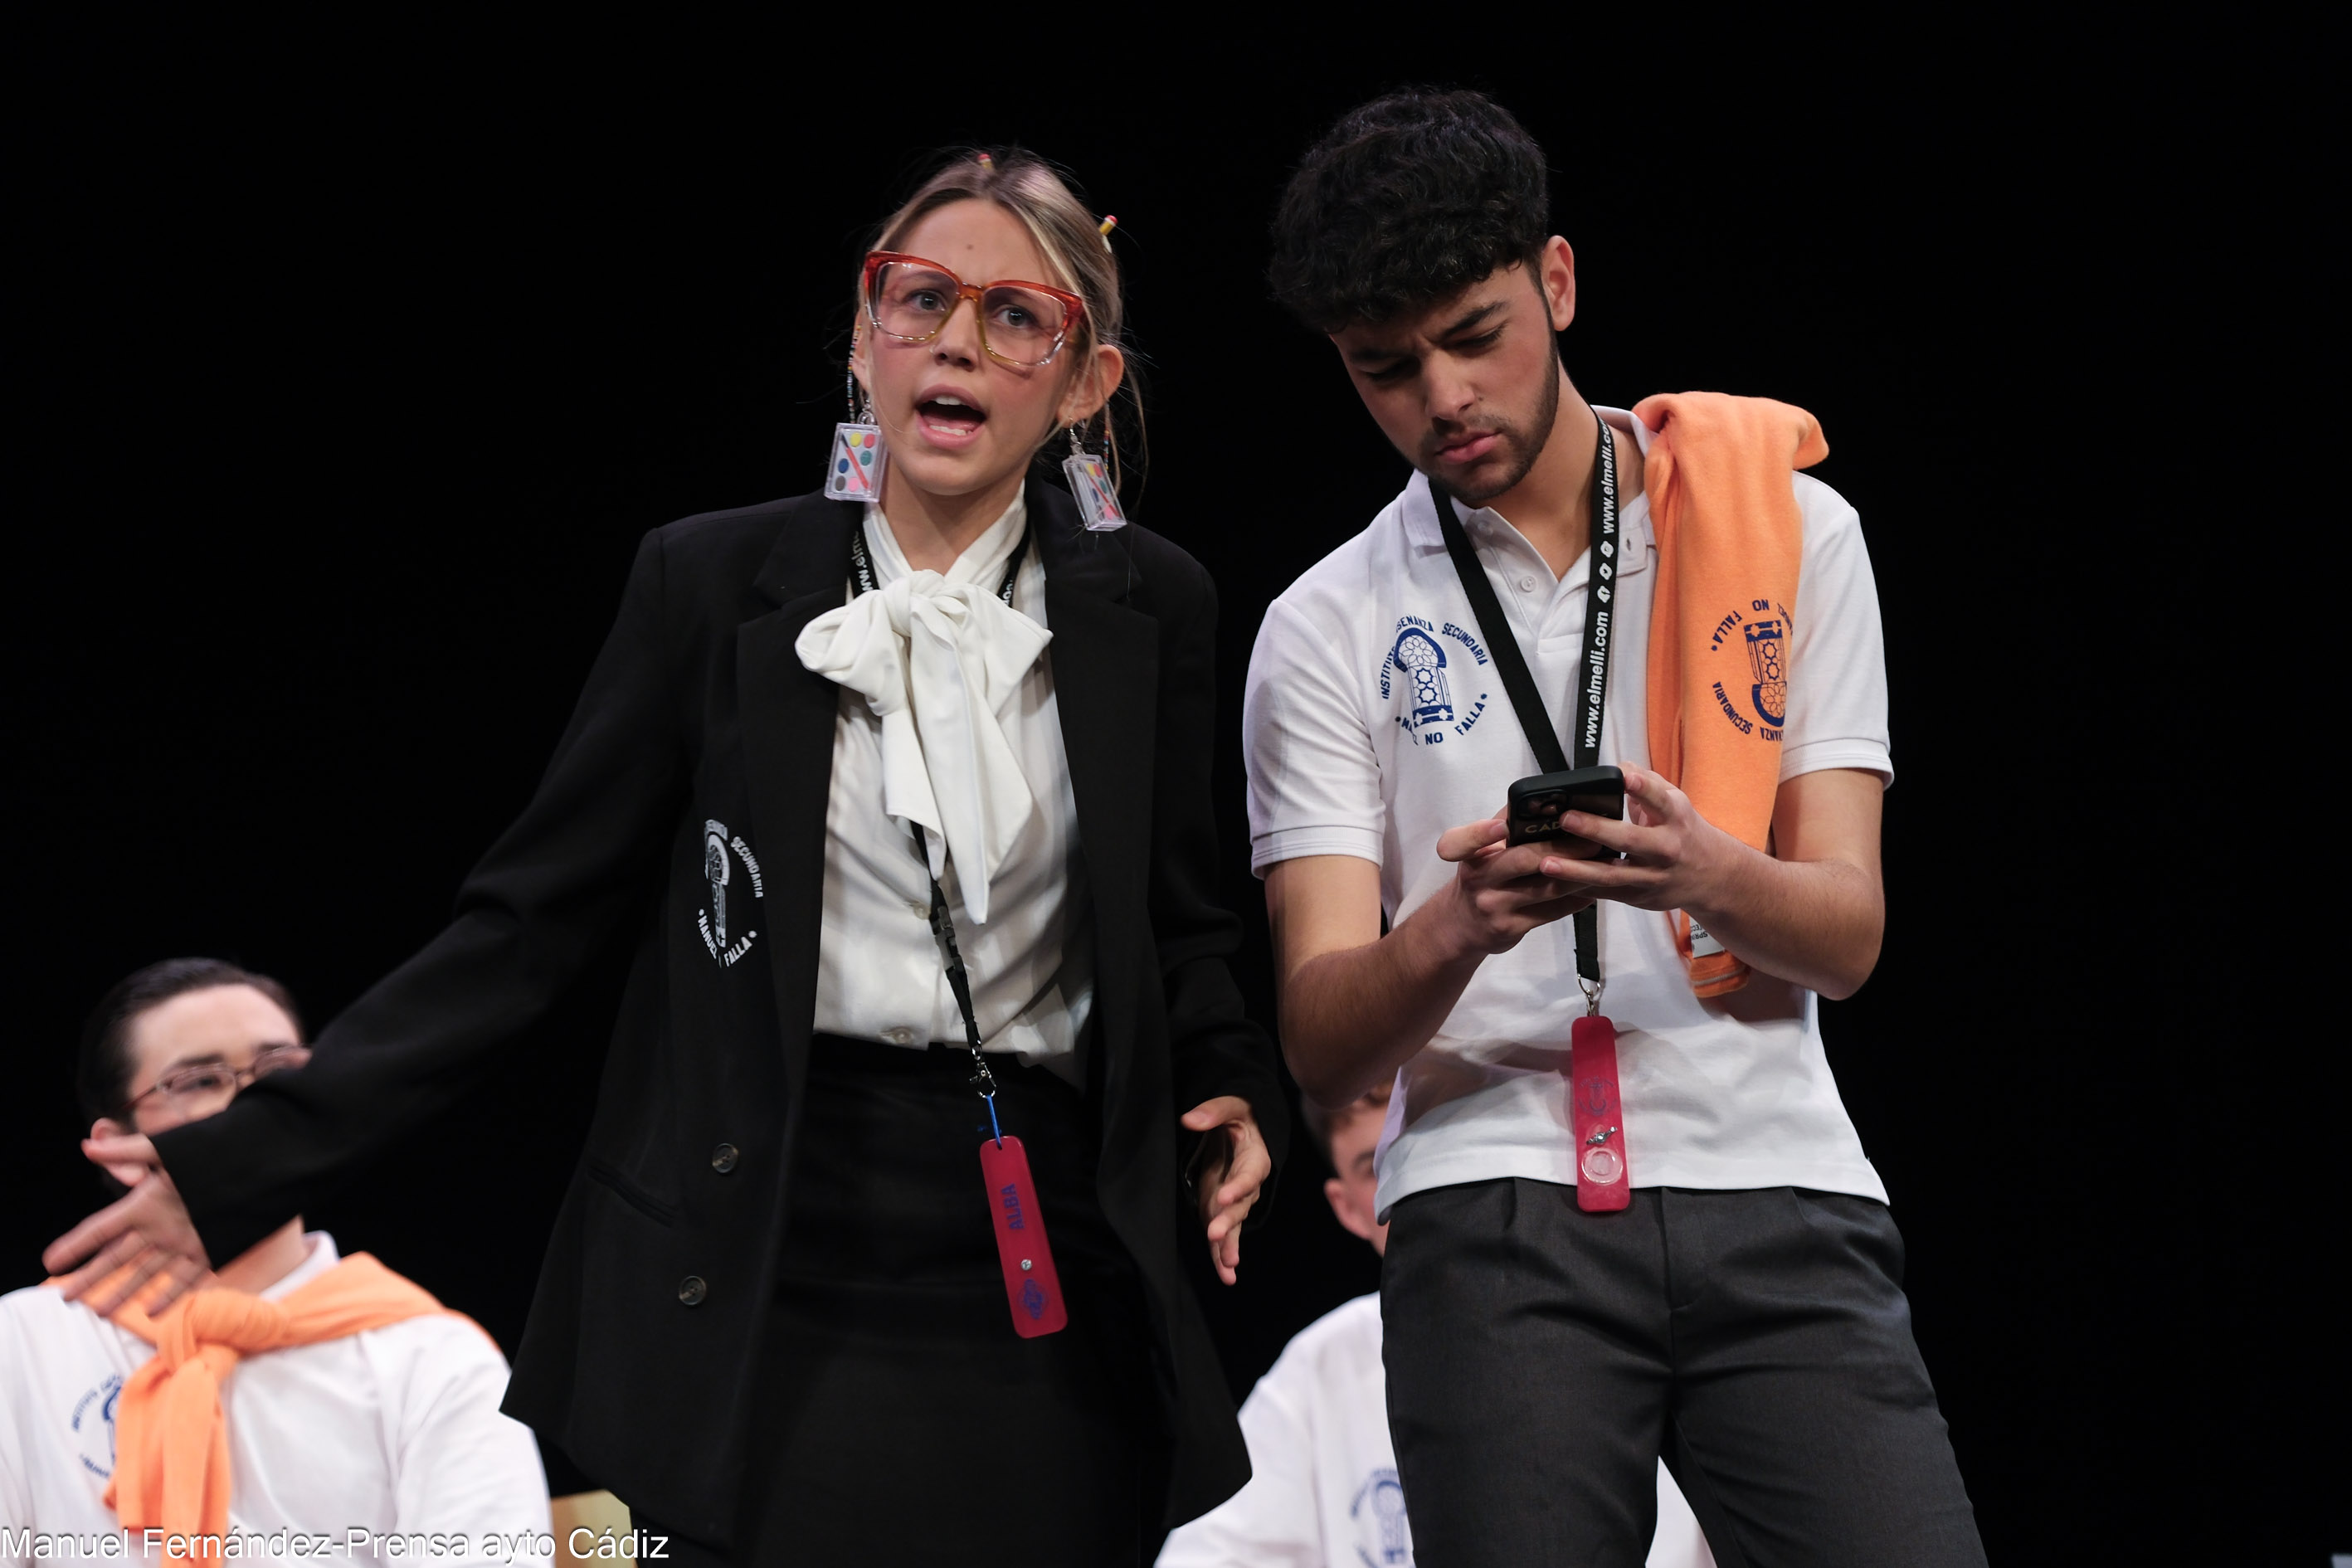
{"x": 170, "y": 1447}
{"x": 1730, "y": 541}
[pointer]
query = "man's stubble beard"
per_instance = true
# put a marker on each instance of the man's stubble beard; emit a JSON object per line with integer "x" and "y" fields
{"x": 1515, "y": 441}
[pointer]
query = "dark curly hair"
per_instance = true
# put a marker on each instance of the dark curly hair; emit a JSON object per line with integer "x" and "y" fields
{"x": 1405, "y": 202}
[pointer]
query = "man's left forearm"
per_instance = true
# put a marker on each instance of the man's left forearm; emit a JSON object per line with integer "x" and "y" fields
{"x": 1815, "y": 917}
{"x": 1817, "y": 922}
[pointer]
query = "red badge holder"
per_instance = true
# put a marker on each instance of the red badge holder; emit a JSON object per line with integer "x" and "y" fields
{"x": 1603, "y": 1183}
{"x": 1031, "y": 1284}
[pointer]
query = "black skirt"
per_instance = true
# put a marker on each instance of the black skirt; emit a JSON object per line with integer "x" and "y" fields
{"x": 899, "y": 1419}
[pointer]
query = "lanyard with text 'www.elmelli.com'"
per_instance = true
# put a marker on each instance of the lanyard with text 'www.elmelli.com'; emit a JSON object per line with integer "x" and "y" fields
{"x": 1596, "y": 1119}
{"x": 1031, "y": 1284}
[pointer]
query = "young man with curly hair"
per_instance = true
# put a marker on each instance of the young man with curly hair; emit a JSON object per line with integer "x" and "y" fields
{"x": 1735, "y": 1304}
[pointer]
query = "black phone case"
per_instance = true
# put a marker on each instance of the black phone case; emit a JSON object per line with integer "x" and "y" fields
{"x": 1533, "y": 806}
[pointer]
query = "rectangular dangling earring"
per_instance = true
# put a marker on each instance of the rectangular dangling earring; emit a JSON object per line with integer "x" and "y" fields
{"x": 1092, "y": 484}
{"x": 858, "y": 456}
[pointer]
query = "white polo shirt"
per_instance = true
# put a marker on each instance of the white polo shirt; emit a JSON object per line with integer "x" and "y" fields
{"x": 1374, "y": 720}
{"x": 1323, "y": 1490}
{"x": 391, "y": 1433}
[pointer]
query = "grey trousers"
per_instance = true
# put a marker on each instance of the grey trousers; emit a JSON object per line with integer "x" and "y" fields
{"x": 1541, "y": 1360}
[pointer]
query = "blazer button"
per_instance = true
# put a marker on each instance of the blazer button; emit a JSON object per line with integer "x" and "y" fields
{"x": 723, "y": 1158}
{"x": 691, "y": 1290}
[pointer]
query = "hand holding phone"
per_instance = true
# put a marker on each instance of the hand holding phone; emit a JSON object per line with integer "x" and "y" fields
{"x": 1534, "y": 805}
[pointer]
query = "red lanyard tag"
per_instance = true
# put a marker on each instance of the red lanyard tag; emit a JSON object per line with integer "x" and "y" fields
{"x": 1030, "y": 1282}
{"x": 1602, "y": 1184}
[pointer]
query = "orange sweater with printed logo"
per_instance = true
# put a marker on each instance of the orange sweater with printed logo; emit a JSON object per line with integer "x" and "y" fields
{"x": 1730, "y": 541}
{"x": 172, "y": 1460}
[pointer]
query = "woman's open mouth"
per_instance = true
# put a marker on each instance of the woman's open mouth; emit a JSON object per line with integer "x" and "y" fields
{"x": 946, "y": 419}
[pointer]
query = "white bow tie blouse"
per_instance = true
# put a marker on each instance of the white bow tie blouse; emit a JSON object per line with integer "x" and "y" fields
{"x": 948, "y": 719}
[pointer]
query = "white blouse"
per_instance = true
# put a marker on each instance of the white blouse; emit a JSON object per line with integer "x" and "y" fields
{"x": 1030, "y": 958}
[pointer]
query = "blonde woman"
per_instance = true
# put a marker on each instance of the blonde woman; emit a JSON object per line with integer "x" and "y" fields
{"x": 774, "y": 1315}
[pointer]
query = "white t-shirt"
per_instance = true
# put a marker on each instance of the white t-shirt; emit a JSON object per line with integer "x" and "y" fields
{"x": 1353, "y": 749}
{"x": 1032, "y": 964}
{"x": 1323, "y": 1490}
{"x": 392, "y": 1431}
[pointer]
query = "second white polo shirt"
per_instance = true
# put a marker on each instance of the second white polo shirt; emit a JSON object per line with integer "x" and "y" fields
{"x": 1374, "y": 722}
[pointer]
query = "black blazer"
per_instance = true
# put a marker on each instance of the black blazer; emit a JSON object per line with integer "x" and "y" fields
{"x": 699, "y": 712}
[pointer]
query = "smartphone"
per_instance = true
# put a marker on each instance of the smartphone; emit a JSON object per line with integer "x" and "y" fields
{"x": 1534, "y": 804}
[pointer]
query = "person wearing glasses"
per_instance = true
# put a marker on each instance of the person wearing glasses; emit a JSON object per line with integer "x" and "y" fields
{"x": 864, "y": 781}
{"x": 392, "y": 1431}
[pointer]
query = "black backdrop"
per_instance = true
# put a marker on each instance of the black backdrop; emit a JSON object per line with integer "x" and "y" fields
{"x": 350, "y": 366}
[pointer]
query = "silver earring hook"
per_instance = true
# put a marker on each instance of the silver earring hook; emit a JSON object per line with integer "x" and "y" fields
{"x": 861, "y": 402}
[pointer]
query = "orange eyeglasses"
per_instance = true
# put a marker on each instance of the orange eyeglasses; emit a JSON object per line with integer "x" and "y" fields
{"x": 910, "y": 300}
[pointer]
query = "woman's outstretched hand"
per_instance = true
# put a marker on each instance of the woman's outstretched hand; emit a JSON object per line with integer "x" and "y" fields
{"x": 148, "y": 1229}
{"x": 1233, "y": 1165}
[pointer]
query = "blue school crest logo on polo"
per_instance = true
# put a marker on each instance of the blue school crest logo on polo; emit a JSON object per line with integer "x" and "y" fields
{"x": 1382, "y": 1537}
{"x": 1416, "y": 652}
{"x": 1418, "y": 670}
{"x": 93, "y": 1426}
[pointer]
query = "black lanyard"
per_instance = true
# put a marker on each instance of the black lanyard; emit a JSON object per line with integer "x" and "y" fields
{"x": 1591, "y": 692}
{"x": 861, "y": 565}
{"x": 861, "y": 569}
